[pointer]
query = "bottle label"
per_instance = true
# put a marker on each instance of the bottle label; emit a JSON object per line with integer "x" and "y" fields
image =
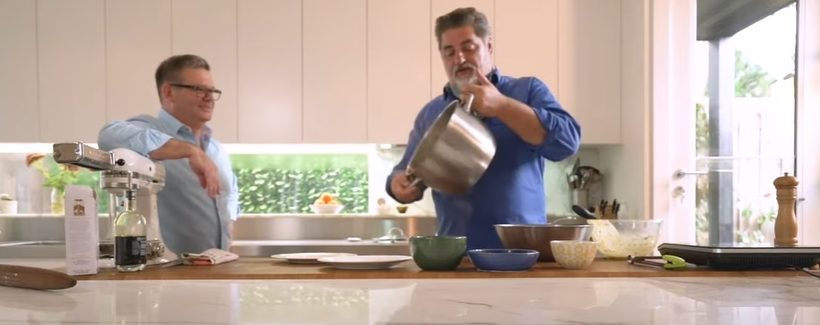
{"x": 131, "y": 250}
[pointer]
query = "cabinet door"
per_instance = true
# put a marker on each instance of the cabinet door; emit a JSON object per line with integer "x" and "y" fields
{"x": 398, "y": 67}
{"x": 71, "y": 56}
{"x": 138, "y": 38}
{"x": 334, "y": 71}
{"x": 439, "y": 8}
{"x": 19, "y": 117}
{"x": 589, "y": 66}
{"x": 270, "y": 71}
{"x": 526, "y": 39}
{"x": 208, "y": 28}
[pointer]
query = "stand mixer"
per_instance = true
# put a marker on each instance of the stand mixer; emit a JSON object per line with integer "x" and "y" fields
{"x": 123, "y": 170}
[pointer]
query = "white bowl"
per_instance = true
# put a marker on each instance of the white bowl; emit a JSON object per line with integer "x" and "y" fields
{"x": 327, "y": 208}
{"x": 8, "y": 207}
{"x": 574, "y": 254}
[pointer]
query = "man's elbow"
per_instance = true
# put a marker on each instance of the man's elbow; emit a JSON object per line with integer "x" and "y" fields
{"x": 105, "y": 139}
{"x": 564, "y": 146}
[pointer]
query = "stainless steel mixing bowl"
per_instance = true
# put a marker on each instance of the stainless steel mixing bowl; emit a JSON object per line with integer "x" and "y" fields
{"x": 538, "y": 237}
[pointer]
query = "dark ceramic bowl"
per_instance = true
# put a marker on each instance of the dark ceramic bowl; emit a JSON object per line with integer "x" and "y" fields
{"x": 438, "y": 252}
{"x": 503, "y": 259}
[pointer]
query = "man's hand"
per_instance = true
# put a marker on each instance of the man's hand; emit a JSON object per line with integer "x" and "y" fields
{"x": 207, "y": 172}
{"x": 402, "y": 190}
{"x": 488, "y": 101}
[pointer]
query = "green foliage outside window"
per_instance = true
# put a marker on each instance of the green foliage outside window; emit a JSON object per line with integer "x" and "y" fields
{"x": 290, "y": 183}
{"x": 751, "y": 80}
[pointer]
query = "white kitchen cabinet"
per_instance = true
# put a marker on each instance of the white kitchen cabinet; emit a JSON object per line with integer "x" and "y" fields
{"x": 439, "y": 8}
{"x": 589, "y": 69}
{"x": 208, "y": 28}
{"x": 398, "y": 67}
{"x": 71, "y": 58}
{"x": 334, "y": 71}
{"x": 19, "y": 115}
{"x": 526, "y": 39}
{"x": 270, "y": 71}
{"x": 137, "y": 39}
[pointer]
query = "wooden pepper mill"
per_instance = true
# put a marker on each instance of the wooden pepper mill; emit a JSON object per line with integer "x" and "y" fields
{"x": 785, "y": 226}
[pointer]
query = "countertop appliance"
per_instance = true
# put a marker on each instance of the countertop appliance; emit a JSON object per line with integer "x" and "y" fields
{"x": 124, "y": 170}
{"x": 738, "y": 256}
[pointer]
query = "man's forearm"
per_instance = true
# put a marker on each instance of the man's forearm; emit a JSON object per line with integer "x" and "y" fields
{"x": 174, "y": 149}
{"x": 523, "y": 121}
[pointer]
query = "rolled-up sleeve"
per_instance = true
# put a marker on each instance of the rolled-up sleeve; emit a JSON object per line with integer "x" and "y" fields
{"x": 563, "y": 136}
{"x": 136, "y": 134}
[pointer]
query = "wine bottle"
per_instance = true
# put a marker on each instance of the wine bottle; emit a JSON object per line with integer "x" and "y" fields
{"x": 130, "y": 243}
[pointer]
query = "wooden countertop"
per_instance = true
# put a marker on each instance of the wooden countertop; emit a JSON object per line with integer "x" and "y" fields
{"x": 266, "y": 268}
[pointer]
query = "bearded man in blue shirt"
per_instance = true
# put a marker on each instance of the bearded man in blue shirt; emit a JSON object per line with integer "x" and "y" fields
{"x": 200, "y": 201}
{"x": 527, "y": 122}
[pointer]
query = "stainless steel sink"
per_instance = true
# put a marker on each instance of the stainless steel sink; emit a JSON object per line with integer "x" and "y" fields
{"x": 32, "y": 243}
{"x": 32, "y": 249}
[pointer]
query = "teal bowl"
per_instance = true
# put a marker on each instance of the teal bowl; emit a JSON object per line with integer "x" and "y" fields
{"x": 438, "y": 253}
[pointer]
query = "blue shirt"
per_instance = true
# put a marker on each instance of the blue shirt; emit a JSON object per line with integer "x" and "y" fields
{"x": 190, "y": 221}
{"x": 511, "y": 190}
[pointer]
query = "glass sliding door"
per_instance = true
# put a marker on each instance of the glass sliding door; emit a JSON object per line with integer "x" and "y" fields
{"x": 745, "y": 128}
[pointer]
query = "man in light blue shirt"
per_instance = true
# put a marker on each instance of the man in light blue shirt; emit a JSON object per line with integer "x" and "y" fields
{"x": 522, "y": 114}
{"x": 200, "y": 199}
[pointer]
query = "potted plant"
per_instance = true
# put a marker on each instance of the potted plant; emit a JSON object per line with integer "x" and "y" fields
{"x": 56, "y": 176}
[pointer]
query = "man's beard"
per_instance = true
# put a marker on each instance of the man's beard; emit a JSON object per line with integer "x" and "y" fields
{"x": 459, "y": 83}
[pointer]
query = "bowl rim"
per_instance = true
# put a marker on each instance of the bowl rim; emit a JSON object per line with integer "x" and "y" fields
{"x": 505, "y": 251}
{"x": 537, "y": 225}
{"x": 629, "y": 220}
{"x": 446, "y": 237}
{"x": 577, "y": 241}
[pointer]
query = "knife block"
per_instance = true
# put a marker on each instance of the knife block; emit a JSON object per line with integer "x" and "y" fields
{"x": 785, "y": 225}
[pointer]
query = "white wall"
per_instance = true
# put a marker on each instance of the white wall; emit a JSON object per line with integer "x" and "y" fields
{"x": 628, "y": 164}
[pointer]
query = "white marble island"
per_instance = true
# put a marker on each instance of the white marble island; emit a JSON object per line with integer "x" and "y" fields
{"x": 489, "y": 300}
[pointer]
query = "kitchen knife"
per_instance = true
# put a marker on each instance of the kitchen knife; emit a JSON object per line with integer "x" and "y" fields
{"x": 34, "y": 278}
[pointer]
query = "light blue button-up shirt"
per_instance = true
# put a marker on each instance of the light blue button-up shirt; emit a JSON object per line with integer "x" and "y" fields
{"x": 190, "y": 221}
{"x": 511, "y": 190}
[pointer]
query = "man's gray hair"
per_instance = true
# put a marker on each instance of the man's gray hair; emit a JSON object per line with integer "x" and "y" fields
{"x": 463, "y": 17}
{"x": 170, "y": 69}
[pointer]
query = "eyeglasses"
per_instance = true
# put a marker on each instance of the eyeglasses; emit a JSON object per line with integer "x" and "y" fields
{"x": 201, "y": 91}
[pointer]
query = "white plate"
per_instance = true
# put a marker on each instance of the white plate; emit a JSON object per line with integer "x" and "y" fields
{"x": 307, "y": 258}
{"x": 365, "y": 262}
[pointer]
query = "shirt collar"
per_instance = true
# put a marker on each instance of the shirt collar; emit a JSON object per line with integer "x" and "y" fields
{"x": 172, "y": 123}
{"x": 494, "y": 77}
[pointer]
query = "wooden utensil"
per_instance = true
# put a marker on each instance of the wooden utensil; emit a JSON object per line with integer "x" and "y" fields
{"x": 34, "y": 278}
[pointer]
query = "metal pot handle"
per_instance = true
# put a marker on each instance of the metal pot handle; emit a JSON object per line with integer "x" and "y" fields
{"x": 468, "y": 104}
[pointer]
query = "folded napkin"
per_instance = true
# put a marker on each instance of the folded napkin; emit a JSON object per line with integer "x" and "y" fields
{"x": 211, "y": 256}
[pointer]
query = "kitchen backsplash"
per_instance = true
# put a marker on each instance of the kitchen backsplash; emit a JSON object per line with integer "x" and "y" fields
{"x": 288, "y": 182}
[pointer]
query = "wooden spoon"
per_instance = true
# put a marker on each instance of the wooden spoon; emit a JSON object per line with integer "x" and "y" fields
{"x": 34, "y": 278}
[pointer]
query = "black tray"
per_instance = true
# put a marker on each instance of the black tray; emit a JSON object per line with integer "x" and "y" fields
{"x": 744, "y": 257}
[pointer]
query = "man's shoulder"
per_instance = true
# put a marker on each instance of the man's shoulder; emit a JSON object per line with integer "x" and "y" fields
{"x": 145, "y": 118}
{"x": 520, "y": 81}
{"x": 522, "y": 85}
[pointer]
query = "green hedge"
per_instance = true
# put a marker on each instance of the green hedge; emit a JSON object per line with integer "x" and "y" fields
{"x": 284, "y": 183}
{"x": 290, "y": 183}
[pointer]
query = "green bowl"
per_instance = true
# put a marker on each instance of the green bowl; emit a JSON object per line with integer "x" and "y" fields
{"x": 438, "y": 253}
